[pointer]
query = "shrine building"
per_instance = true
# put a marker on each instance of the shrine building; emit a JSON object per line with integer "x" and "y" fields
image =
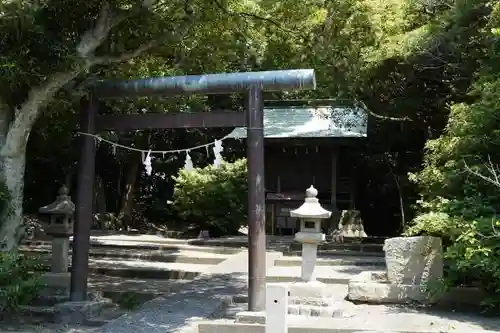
{"x": 304, "y": 145}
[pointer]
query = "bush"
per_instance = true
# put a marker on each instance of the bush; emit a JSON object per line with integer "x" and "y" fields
{"x": 213, "y": 198}
{"x": 471, "y": 239}
{"x": 19, "y": 280}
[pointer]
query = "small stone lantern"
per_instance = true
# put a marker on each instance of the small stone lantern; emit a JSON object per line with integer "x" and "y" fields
{"x": 310, "y": 214}
{"x": 60, "y": 227}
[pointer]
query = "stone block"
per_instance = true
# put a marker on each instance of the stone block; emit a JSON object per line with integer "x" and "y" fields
{"x": 350, "y": 225}
{"x": 413, "y": 260}
{"x": 56, "y": 280}
{"x": 79, "y": 312}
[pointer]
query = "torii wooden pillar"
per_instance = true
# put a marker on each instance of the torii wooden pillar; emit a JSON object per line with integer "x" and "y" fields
{"x": 254, "y": 83}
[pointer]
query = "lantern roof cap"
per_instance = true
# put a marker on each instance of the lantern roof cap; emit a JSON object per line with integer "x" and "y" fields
{"x": 311, "y": 207}
{"x": 61, "y": 206}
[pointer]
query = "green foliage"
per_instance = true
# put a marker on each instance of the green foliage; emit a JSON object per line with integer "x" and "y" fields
{"x": 432, "y": 224}
{"x": 213, "y": 198}
{"x": 129, "y": 301}
{"x": 459, "y": 181}
{"x": 19, "y": 280}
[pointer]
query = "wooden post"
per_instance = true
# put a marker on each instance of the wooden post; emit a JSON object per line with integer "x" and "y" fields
{"x": 333, "y": 199}
{"x": 84, "y": 203}
{"x": 256, "y": 201}
{"x": 334, "y": 178}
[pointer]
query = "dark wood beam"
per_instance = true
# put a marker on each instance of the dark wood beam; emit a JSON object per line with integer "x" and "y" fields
{"x": 171, "y": 120}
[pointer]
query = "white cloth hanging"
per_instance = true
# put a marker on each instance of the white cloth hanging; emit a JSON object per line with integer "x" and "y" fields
{"x": 147, "y": 164}
{"x": 217, "y": 152}
{"x": 188, "y": 163}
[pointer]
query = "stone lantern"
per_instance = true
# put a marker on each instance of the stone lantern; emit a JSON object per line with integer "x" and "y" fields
{"x": 310, "y": 215}
{"x": 60, "y": 227}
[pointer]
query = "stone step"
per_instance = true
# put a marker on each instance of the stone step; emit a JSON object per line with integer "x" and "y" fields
{"x": 337, "y": 253}
{"x": 140, "y": 245}
{"x": 146, "y": 269}
{"x": 173, "y": 256}
{"x": 112, "y": 286}
{"x": 359, "y": 247}
{"x": 325, "y": 274}
{"x": 358, "y": 261}
{"x": 142, "y": 269}
{"x": 339, "y": 279}
{"x": 284, "y": 241}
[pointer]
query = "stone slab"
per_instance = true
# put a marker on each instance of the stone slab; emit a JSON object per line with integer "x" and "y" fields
{"x": 374, "y": 292}
{"x": 79, "y": 312}
{"x": 366, "y": 287}
{"x": 363, "y": 289}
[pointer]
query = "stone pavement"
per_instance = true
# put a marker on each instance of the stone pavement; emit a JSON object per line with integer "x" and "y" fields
{"x": 202, "y": 298}
{"x": 205, "y": 297}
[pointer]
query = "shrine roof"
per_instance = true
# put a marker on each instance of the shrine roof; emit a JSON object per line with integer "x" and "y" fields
{"x": 311, "y": 122}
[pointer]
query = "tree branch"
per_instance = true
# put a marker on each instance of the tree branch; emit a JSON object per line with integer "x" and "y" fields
{"x": 179, "y": 33}
{"x": 491, "y": 169}
{"x": 96, "y": 35}
{"x": 26, "y": 115}
{"x": 107, "y": 60}
{"x": 252, "y": 15}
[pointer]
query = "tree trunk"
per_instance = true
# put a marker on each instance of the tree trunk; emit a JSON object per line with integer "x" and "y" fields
{"x": 130, "y": 182}
{"x": 400, "y": 192}
{"x": 100, "y": 194}
{"x": 12, "y": 168}
{"x": 15, "y": 127}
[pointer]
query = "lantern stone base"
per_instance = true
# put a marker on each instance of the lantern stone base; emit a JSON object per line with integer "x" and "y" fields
{"x": 312, "y": 289}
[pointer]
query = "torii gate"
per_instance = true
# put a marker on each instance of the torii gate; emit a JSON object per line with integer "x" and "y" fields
{"x": 254, "y": 83}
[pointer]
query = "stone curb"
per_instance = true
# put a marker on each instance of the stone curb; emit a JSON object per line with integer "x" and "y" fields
{"x": 228, "y": 327}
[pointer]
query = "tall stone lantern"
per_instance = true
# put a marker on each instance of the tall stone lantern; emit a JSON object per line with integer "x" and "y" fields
{"x": 310, "y": 215}
{"x": 60, "y": 227}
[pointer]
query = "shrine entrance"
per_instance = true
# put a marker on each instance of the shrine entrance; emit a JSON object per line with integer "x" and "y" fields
{"x": 253, "y": 83}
